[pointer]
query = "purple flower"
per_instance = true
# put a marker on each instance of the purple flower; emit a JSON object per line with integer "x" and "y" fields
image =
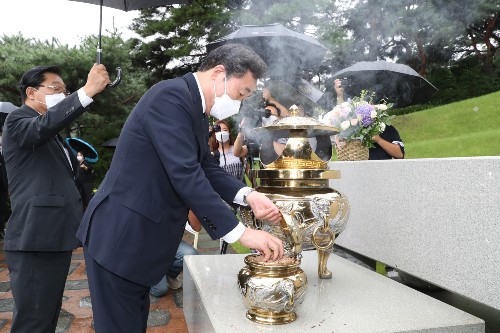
{"x": 364, "y": 111}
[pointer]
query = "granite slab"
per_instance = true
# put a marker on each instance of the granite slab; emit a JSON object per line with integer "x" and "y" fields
{"x": 355, "y": 300}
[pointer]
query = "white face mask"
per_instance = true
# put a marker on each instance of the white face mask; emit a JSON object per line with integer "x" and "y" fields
{"x": 222, "y": 136}
{"x": 52, "y": 100}
{"x": 224, "y": 107}
{"x": 79, "y": 158}
{"x": 268, "y": 121}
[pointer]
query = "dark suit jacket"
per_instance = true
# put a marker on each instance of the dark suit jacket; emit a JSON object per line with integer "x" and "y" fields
{"x": 46, "y": 205}
{"x": 161, "y": 168}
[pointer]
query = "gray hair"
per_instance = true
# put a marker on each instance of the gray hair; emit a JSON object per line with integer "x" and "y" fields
{"x": 237, "y": 59}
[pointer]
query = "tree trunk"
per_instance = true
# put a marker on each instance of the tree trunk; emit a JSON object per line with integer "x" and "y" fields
{"x": 423, "y": 56}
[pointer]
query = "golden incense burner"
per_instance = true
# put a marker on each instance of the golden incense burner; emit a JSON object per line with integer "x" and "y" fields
{"x": 294, "y": 154}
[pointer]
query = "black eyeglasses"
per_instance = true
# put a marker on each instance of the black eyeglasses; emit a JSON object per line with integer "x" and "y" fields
{"x": 57, "y": 89}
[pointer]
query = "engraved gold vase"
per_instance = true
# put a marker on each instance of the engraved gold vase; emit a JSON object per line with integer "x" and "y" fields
{"x": 272, "y": 291}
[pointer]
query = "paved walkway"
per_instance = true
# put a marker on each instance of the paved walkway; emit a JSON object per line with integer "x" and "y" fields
{"x": 166, "y": 313}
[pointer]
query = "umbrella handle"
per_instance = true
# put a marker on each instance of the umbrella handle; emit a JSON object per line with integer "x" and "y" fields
{"x": 118, "y": 70}
{"x": 118, "y": 78}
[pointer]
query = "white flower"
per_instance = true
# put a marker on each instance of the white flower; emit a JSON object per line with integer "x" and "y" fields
{"x": 328, "y": 117}
{"x": 373, "y": 114}
{"x": 382, "y": 127}
{"x": 354, "y": 121}
{"x": 381, "y": 107}
{"x": 345, "y": 124}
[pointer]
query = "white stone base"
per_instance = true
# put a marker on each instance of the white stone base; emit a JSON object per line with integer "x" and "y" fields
{"x": 355, "y": 300}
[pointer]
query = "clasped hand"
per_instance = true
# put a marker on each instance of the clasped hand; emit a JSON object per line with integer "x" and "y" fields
{"x": 97, "y": 80}
{"x": 263, "y": 208}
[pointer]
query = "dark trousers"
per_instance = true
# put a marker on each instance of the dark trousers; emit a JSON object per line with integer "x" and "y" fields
{"x": 87, "y": 192}
{"x": 37, "y": 282}
{"x": 4, "y": 214}
{"x": 118, "y": 305}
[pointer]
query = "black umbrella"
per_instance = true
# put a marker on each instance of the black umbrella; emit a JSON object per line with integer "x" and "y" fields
{"x": 126, "y": 5}
{"x": 397, "y": 83}
{"x": 111, "y": 143}
{"x": 79, "y": 145}
{"x": 5, "y": 109}
{"x": 284, "y": 51}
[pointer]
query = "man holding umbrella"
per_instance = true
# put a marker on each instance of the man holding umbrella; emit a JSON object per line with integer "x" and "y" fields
{"x": 46, "y": 203}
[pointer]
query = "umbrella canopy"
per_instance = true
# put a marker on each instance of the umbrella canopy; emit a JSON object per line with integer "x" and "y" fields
{"x": 284, "y": 51}
{"x": 397, "y": 83}
{"x": 128, "y": 5}
{"x": 5, "y": 109}
{"x": 111, "y": 143}
{"x": 79, "y": 145}
{"x": 125, "y": 5}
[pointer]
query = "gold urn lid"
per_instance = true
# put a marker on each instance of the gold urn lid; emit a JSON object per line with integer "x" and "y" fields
{"x": 296, "y": 142}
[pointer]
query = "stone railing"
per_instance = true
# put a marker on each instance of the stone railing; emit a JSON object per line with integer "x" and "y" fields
{"x": 435, "y": 219}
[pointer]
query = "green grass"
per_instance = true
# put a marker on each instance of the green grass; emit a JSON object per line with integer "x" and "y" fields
{"x": 466, "y": 128}
{"x": 238, "y": 248}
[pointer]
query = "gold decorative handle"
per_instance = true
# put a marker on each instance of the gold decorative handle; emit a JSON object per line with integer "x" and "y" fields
{"x": 330, "y": 242}
{"x": 291, "y": 230}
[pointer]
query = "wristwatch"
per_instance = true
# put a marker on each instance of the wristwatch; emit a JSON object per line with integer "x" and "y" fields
{"x": 245, "y": 195}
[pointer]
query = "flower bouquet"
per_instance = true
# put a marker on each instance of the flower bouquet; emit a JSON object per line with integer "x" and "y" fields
{"x": 358, "y": 120}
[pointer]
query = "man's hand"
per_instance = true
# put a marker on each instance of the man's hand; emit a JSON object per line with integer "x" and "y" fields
{"x": 271, "y": 247}
{"x": 266, "y": 94}
{"x": 339, "y": 90}
{"x": 263, "y": 208}
{"x": 97, "y": 80}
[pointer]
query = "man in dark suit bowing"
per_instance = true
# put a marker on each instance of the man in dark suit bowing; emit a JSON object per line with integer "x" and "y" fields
{"x": 162, "y": 167}
{"x": 45, "y": 201}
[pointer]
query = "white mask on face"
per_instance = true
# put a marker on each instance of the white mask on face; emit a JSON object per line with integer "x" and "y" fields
{"x": 224, "y": 107}
{"x": 79, "y": 158}
{"x": 222, "y": 136}
{"x": 52, "y": 100}
{"x": 268, "y": 121}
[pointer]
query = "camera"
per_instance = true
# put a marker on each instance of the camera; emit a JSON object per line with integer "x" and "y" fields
{"x": 215, "y": 128}
{"x": 264, "y": 113}
{"x": 345, "y": 82}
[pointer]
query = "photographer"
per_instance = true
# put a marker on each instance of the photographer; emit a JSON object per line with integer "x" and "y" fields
{"x": 334, "y": 93}
{"x": 273, "y": 105}
{"x": 253, "y": 113}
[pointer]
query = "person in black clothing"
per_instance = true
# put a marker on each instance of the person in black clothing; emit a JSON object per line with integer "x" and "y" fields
{"x": 85, "y": 179}
{"x": 388, "y": 145}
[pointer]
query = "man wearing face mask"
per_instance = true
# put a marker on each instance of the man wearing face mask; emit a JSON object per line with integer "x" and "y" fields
{"x": 133, "y": 225}
{"x": 45, "y": 201}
